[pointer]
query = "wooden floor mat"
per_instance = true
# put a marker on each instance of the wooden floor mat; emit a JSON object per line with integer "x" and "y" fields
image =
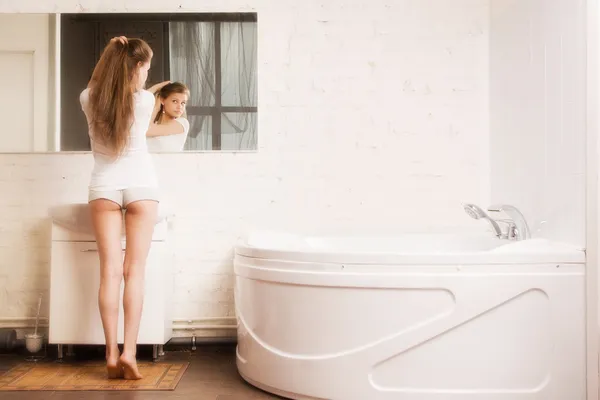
{"x": 89, "y": 376}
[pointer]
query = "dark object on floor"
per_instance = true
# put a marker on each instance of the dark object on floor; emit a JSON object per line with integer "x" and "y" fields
{"x": 8, "y": 339}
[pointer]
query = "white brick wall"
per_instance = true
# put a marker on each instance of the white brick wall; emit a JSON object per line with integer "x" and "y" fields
{"x": 372, "y": 116}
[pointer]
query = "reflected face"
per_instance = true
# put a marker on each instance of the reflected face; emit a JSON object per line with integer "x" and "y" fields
{"x": 174, "y": 104}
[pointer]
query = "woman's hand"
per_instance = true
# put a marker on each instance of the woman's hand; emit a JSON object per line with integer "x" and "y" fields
{"x": 121, "y": 39}
{"x": 154, "y": 89}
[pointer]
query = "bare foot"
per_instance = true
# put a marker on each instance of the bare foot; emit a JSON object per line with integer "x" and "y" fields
{"x": 114, "y": 368}
{"x": 130, "y": 368}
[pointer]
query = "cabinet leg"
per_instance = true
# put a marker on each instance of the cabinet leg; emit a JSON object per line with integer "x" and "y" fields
{"x": 161, "y": 350}
{"x": 70, "y": 352}
{"x": 60, "y": 353}
{"x": 154, "y": 352}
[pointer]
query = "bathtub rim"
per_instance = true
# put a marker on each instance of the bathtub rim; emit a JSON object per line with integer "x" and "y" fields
{"x": 565, "y": 255}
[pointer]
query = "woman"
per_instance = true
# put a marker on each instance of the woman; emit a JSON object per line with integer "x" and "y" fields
{"x": 118, "y": 111}
{"x": 170, "y": 129}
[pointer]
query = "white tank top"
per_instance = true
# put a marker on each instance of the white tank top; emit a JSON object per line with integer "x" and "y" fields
{"x": 134, "y": 168}
{"x": 170, "y": 143}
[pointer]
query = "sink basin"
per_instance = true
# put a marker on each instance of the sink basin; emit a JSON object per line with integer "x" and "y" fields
{"x": 76, "y": 216}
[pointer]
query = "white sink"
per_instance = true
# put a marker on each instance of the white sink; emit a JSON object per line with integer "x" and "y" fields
{"x": 76, "y": 216}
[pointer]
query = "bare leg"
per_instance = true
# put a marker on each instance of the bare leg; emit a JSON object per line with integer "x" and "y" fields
{"x": 140, "y": 219}
{"x": 107, "y": 219}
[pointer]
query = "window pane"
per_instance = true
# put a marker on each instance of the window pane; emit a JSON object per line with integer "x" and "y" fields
{"x": 200, "y": 136}
{"x": 192, "y": 59}
{"x": 238, "y": 131}
{"x": 238, "y": 64}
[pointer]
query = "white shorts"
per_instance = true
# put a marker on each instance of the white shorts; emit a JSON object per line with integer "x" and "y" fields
{"x": 125, "y": 197}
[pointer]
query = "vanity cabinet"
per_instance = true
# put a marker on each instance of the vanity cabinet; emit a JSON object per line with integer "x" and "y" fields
{"x": 75, "y": 280}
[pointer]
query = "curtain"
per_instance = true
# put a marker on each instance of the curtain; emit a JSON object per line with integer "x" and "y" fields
{"x": 217, "y": 62}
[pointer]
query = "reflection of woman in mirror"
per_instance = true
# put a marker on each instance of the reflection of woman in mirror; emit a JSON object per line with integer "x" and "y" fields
{"x": 118, "y": 111}
{"x": 169, "y": 129}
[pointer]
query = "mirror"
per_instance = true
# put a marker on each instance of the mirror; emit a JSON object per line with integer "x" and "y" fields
{"x": 46, "y": 61}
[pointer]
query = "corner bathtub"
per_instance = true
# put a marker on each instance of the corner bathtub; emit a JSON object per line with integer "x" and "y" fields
{"x": 414, "y": 317}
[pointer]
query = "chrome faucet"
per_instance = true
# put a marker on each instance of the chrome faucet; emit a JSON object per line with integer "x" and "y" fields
{"x": 476, "y": 212}
{"x": 517, "y": 225}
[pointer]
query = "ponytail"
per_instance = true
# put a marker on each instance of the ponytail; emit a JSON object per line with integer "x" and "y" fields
{"x": 111, "y": 97}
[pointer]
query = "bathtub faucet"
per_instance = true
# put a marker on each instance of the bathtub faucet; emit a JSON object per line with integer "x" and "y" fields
{"x": 476, "y": 212}
{"x": 517, "y": 225}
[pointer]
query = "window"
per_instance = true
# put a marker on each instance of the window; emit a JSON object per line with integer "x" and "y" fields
{"x": 217, "y": 60}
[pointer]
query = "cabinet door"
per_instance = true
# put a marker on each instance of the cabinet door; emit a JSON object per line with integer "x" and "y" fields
{"x": 156, "y": 323}
{"x": 74, "y": 284}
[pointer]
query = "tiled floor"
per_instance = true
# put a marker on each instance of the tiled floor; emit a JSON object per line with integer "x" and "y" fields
{"x": 212, "y": 375}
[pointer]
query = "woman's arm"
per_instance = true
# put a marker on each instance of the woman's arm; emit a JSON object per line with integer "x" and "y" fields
{"x": 165, "y": 129}
{"x": 155, "y": 88}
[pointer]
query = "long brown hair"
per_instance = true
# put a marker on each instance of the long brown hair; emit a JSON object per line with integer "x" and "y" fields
{"x": 111, "y": 97}
{"x": 166, "y": 91}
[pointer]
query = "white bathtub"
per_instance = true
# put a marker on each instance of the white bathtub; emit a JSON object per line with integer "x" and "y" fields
{"x": 415, "y": 317}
